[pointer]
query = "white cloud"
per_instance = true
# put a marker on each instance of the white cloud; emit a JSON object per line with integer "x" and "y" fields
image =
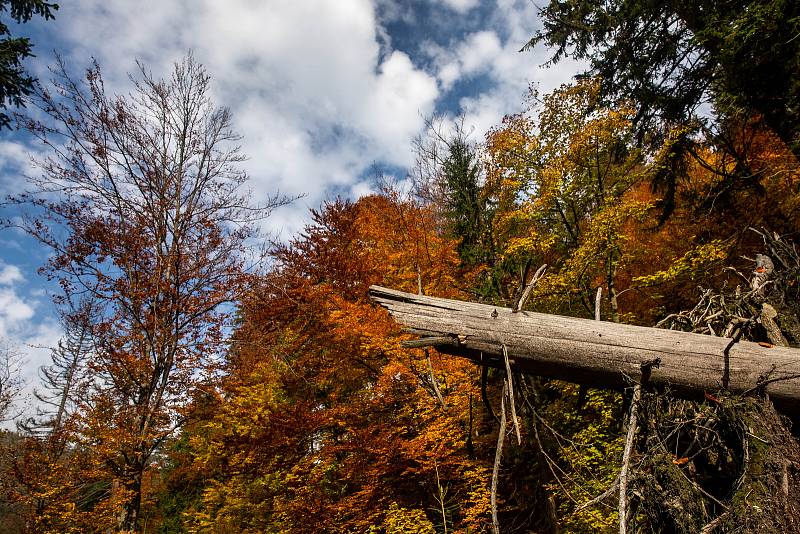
{"x": 10, "y": 274}
{"x": 362, "y": 189}
{"x": 16, "y": 310}
{"x": 13, "y": 154}
{"x": 312, "y": 94}
{"x": 394, "y": 11}
{"x": 494, "y": 54}
{"x": 25, "y": 329}
{"x": 13, "y": 311}
{"x": 480, "y": 51}
{"x": 15, "y": 165}
{"x": 476, "y": 54}
{"x": 33, "y": 346}
{"x": 460, "y": 6}
{"x": 403, "y": 95}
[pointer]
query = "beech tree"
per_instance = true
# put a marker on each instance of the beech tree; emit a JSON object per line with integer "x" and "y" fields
{"x": 324, "y": 421}
{"x": 696, "y": 71}
{"x": 563, "y": 181}
{"x": 142, "y": 203}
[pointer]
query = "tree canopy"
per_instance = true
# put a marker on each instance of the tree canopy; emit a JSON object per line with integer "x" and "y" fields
{"x": 213, "y": 380}
{"x": 673, "y": 57}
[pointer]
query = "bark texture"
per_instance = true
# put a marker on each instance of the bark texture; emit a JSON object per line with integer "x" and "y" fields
{"x": 599, "y": 354}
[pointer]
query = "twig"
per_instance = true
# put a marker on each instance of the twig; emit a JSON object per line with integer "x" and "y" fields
{"x": 626, "y": 459}
{"x": 441, "y": 496}
{"x": 765, "y": 382}
{"x": 697, "y": 486}
{"x": 603, "y": 496}
{"x": 525, "y": 294}
{"x": 511, "y": 395}
{"x": 745, "y": 464}
{"x": 737, "y": 273}
{"x": 484, "y": 394}
{"x": 714, "y": 524}
{"x": 497, "y": 455}
{"x": 427, "y": 343}
{"x": 434, "y": 381}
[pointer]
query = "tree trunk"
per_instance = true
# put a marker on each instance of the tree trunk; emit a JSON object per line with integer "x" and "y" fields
{"x": 133, "y": 503}
{"x": 599, "y": 354}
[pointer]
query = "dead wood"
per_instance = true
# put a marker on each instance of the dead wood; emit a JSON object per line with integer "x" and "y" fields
{"x": 633, "y": 423}
{"x": 599, "y": 354}
{"x": 501, "y": 434}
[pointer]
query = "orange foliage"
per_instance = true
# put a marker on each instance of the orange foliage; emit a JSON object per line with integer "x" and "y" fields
{"x": 322, "y": 399}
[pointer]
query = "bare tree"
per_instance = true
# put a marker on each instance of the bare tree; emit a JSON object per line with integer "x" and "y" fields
{"x": 142, "y": 204}
{"x": 433, "y": 149}
{"x": 10, "y": 380}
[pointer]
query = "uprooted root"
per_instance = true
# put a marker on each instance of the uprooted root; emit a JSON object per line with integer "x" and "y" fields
{"x": 765, "y": 306}
{"x": 728, "y": 465}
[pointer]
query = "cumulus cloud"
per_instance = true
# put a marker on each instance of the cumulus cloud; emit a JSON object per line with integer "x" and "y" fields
{"x": 24, "y": 329}
{"x": 15, "y": 164}
{"x": 14, "y": 310}
{"x": 314, "y": 95}
{"x": 403, "y": 95}
{"x": 33, "y": 351}
{"x": 493, "y": 56}
{"x": 476, "y": 54}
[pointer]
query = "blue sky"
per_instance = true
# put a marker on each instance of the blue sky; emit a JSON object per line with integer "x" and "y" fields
{"x": 321, "y": 90}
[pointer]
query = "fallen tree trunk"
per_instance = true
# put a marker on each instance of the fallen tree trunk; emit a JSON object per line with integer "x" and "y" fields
{"x": 598, "y": 354}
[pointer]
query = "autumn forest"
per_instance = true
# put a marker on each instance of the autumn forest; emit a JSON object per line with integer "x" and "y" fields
{"x": 213, "y": 377}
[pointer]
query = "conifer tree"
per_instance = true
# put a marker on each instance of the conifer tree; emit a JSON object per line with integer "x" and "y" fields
{"x": 15, "y": 83}
{"x": 65, "y": 379}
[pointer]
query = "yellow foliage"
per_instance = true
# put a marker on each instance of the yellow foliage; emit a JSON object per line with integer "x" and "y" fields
{"x": 696, "y": 260}
{"x": 400, "y": 520}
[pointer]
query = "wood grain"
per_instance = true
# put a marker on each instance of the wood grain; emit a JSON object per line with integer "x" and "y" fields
{"x": 599, "y": 354}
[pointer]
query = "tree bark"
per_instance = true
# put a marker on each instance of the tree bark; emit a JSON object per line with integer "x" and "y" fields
{"x": 131, "y": 508}
{"x": 600, "y": 354}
